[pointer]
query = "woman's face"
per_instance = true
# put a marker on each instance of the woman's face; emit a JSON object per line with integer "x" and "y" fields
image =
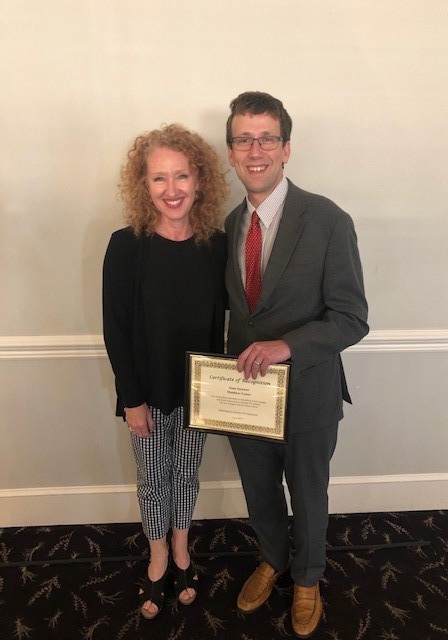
{"x": 172, "y": 184}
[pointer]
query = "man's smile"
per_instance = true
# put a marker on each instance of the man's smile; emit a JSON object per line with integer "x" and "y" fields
{"x": 257, "y": 169}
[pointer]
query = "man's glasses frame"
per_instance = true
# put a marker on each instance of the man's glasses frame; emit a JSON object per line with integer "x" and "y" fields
{"x": 244, "y": 143}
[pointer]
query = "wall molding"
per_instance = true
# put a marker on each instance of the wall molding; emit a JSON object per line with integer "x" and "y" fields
{"x": 92, "y": 346}
{"x": 429, "y": 340}
{"x": 217, "y": 499}
{"x": 49, "y": 347}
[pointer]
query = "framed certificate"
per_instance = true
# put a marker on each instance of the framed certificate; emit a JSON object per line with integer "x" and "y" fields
{"x": 220, "y": 400}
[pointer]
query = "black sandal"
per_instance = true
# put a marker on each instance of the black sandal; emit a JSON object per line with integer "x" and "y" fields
{"x": 154, "y": 591}
{"x": 185, "y": 579}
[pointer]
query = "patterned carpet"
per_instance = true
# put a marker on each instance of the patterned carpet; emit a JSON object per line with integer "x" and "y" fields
{"x": 386, "y": 579}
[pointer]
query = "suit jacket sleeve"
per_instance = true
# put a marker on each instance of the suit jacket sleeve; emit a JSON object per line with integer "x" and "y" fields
{"x": 343, "y": 321}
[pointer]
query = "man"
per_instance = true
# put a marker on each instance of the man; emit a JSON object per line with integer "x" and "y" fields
{"x": 308, "y": 307}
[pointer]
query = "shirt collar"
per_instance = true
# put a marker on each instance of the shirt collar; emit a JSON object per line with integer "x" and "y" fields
{"x": 269, "y": 207}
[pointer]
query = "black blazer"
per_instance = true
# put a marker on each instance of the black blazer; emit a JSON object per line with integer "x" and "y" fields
{"x": 124, "y": 333}
{"x": 312, "y": 297}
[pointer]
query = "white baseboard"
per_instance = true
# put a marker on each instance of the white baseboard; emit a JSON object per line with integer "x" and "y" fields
{"x": 368, "y": 494}
{"x": 105, "y": 504}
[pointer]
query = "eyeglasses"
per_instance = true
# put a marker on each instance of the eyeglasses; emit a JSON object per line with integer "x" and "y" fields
{"x": 244, "y": 143}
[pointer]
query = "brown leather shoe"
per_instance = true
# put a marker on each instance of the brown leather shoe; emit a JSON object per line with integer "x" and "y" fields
{"x": 257, "y": 588}
{"x": 306, "y": 610}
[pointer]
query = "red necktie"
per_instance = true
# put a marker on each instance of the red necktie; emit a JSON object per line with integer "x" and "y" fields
{"x": 253, "y": 262}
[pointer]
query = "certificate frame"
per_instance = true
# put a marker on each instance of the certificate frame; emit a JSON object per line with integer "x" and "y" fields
{"x": 219, "y": 400}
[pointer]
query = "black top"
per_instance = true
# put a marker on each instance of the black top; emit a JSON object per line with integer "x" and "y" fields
{"x": 179, "y": 305}
{"x": 161, "y": 298}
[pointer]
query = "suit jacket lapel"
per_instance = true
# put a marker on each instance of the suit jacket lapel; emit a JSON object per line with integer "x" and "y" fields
{"x": 239, "y": 291}
{"x": 288, "y": 234}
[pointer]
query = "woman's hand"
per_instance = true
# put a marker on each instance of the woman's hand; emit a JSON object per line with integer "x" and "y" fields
{"x": 140, "y": 420}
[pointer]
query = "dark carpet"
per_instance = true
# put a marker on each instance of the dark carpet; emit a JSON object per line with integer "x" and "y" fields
{"x": 386, "y": 579}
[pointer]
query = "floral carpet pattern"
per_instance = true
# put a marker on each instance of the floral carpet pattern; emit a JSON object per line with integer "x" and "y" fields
{"x": 386, "y": 579}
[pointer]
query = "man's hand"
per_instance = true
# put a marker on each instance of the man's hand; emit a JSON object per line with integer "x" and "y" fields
{"x": 140, "y": 421}
{"x": 259, "y": 355}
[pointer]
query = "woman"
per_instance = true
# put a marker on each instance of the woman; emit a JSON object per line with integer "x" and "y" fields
{"x": 163, "y": 295}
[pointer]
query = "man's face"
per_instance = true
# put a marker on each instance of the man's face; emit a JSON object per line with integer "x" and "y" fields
{"x": 260, "y": 171}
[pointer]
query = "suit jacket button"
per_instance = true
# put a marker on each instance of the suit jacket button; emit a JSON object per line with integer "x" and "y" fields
{"x": 251, "y": 323}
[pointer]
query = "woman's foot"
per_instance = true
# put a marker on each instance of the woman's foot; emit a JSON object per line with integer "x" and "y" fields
{"x": 152, "y": 594}
{"x": 185, "y": 576}
{"x": 185, "y": 583}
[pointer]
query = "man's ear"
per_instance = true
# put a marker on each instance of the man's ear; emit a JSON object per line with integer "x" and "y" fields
{"x": 286, "y": 152}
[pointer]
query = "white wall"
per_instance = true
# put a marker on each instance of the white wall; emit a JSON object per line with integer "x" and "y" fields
{"x": 366, "y": 83}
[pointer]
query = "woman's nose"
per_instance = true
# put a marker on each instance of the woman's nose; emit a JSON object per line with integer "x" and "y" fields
{"x": 171, "y": 186}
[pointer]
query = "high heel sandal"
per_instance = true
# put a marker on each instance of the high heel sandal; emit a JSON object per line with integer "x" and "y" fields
{"x": 185, "y": 579}
{"x": 154, "y": 591}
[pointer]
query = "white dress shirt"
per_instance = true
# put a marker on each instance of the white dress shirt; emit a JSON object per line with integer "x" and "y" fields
{"x": 270, "y": 213}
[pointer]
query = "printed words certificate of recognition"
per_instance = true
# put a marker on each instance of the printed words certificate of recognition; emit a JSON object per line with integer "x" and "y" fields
{"x": 220, "y": 400}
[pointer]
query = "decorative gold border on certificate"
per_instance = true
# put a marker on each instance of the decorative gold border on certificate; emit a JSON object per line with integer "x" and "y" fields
{"x": 277, "y": 378}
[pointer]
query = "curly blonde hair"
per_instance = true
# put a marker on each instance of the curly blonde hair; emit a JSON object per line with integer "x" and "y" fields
{"x": 207, "y": 213}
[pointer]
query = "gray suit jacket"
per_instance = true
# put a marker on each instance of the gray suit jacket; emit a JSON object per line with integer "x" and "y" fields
{"x": 312, "y": 297}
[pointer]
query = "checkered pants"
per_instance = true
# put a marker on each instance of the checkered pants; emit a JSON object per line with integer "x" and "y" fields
{"x": 167, "y": 473}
